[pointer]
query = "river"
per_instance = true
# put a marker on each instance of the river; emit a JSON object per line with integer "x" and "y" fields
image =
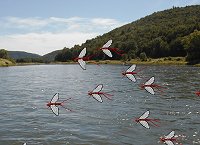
{"x": 25, "y": 90}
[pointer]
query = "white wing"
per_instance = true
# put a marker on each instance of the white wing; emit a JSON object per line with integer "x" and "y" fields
{"x": 82, "y": 53}
{"x": 150, "y": 81}
{"x": 107, "y": 52}
{"x": 24, "y": 143}
{"x": 82, "y": 63}
{"x": 131, "y": 77}
{"x": 145, "y": 115}
{"x": 131, "y": 68}
{"x": 168, "y": 142}
{"x": 97, "y": 97}
{"x": 55, "y": 98}
{"x": 150, "y": 90}
{"x": 98, "y": 88}
{"x": 170, "y": 135}
{"x": 107, "y": 44}
{"x": 55, "y": 109}
{"x": 144, "y": 123}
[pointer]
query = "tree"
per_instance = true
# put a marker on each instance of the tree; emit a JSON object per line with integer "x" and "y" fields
{"x": 176, "y": 48}
{"x": 125, "y": 57}
{"x": 191, "y": 44}
{"x": 159, "y": 48}
{"x": 143, "y": 56}
{"x": 64, "y": 55}
{"x": 3, "y": 54}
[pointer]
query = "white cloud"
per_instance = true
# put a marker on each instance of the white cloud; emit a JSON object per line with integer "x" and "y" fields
{"x": 180, "y": 3}
{"x": 66, "y": 20}
{"x": 41, "y": 36}
{"x": 194, "y": 2}
{"x": 104, "y": 22}
{"x": 23, "y": 22}
{"x": 43, "y": 43}
{"x": 55, "y": 24}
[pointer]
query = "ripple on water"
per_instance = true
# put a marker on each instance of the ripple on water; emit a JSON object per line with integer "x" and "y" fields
{"x": 26, "y": 90}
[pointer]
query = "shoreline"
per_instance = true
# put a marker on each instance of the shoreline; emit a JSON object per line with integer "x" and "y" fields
{"x": 159, "y": 61}
{"x": 149, "y": 61}
{"x": 6, "y": 63}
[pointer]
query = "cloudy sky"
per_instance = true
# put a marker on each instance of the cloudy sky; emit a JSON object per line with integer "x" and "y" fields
{"x": 42, "y": 26}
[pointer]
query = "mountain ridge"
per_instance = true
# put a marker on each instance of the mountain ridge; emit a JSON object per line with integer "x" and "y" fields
{"x": 22, "y": 54}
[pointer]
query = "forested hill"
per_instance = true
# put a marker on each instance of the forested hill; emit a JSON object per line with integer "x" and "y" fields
{"x": 50, "y": 56}
{"x": 173, "y": 32}
{"x": 21, "y": 54}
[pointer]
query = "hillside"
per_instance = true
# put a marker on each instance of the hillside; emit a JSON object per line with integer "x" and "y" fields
{"x": 158, "y": 35}
{"x": 21, "y": 54}
{"x": 50, "y": 56}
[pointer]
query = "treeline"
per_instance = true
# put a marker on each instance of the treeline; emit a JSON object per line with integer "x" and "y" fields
{"x": 173, "y": 32}
{"x": 192, "y": 46}
{"x": 30, "y": 60}
{"x": 4, "y": 55}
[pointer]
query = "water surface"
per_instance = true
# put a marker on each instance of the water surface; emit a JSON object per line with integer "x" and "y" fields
{"x": 25, "y": 90}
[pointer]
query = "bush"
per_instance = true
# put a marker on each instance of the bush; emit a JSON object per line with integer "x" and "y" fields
{"x": 178, "y": 59}
{"x": 143, "y": 56}
{"x": 3, "y": 54}
{"x": 169, "y": 58}
{"x": 191, "y": 44}
{"x": 125, "y": 57}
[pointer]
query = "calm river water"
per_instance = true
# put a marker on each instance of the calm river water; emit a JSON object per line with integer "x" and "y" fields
{"x": 25, "y": 90}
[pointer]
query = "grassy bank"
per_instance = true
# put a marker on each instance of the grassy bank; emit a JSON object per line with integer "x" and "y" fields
{"x": 159, "y": 61}
{"x": 5, "y": 62}
{"x": 163, "y": 61}
{"x": 36, "y": 63}
{"x": 28, "y": 63}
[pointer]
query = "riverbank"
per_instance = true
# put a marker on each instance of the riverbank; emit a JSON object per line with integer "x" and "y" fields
{"x": 6, "y": 62}
{"x": 159, "y": 61}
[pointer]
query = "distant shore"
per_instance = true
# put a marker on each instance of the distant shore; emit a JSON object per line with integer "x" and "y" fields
{"x": 159, "y": 61}
{"x": 150, "y": 61}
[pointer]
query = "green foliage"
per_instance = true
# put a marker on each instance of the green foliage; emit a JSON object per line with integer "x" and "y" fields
{"x": 50, "y": 56}
{"x": 158, "y": 35}
{"x": 192, "y": 46}
{"x": 157, "y": 48}
{"x": 21, "y": 54}
{"x": 30, "y": 60}
{"x": 6, "y": 62}
{"x": 176, "y": 47}
{"x": 143, "y": 56}
{"x": 65, "y": 55}
{"x": 3, "y": 54}
{"x": 12, "y": 60}
{"x": 125, "y": 57}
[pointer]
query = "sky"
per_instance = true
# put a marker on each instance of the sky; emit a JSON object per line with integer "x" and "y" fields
{"x": 42, "y": 26}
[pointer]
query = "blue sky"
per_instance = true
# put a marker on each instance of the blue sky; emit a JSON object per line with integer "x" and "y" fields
{"x": 41, "y": 26}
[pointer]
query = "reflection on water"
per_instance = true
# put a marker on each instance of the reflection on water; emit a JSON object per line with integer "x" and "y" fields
{"x": 25, "y": 90}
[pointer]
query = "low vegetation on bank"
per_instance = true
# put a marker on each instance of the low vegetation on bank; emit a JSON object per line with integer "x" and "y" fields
{"x": 158, "y": 61}
{"x": 6, "y": 62}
